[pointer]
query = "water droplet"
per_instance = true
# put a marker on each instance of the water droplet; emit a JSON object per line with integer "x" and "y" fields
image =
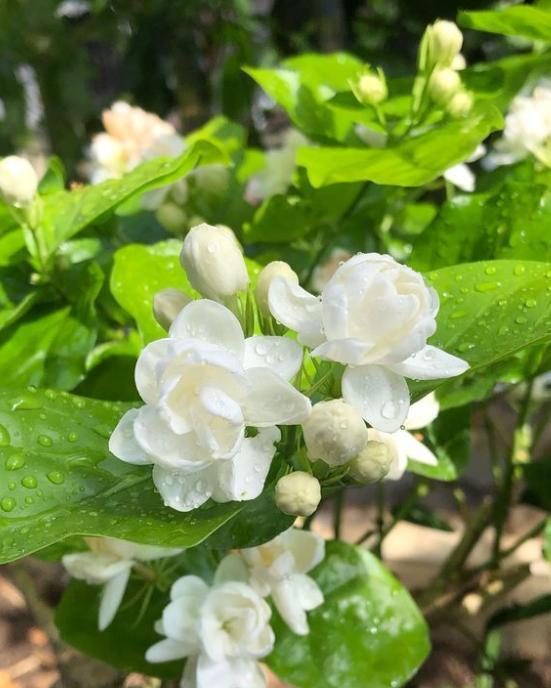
{"x": 388, "y": 410}
{"x": 72, "y": 437}
{"x": 29, "y": 481}
{"x": 14, "y": 462}
{"x": 5, "y": 438}
{"x": 26, "y": 402}
{"x": 530, "y": 303}
{"x": 486, "y": 286}
{"x": 45, "y": 441}
{"x": 519, "y": 270}
{"x": 490, "y": 270}
{"x": 7, "y": 503}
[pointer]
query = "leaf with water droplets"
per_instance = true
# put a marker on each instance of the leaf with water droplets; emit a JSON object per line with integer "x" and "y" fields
{"x": 367, "y": 632}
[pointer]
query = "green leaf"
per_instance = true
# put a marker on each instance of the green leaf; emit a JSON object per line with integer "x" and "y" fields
{"x": 54, "y": 177}
{"x": 66, "y": 213}
{"x": 368, "y": 629}
{"x": 515, "y": 223}
{"x": 538, "y": 480}
{"x": 57, "y": 479}
{"x": 414, "y": 161}
{"x": 489, "y": 311}
{"x": 278, "y": 219}
{"x": 124, "y": 642}
{"x": 520, "y": 20}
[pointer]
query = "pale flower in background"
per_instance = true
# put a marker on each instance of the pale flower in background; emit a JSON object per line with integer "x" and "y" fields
{"x": 322, "y": 273}
{"x": 527, "y": 130}
{"x": 109, "y": 563}
{"x": 131, "y": 136}
{"x": 461, "y": 175}
{"x": 279, "y": 569}
{"x": 374, "y": 316}
{"x": 18, "y": 181}
{"x": 222, "y": 631}
{"x": 277, "y": 173}
{"x": 202, "y": 386}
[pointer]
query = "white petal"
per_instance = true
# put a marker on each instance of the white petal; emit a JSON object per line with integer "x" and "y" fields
{"x": 398, "y": 466}
{"x": 308, "y": 592}
{"x": 380, "y": 395}
{"x": 272, "y": 401}
{"x": 180, "y": 619}
{"x": 280, "y": 354}
{"x": 307, "y": 548}
{"x": 184, "y": 491}
{"x": 423, "y": 412}
{"x": 149, "y": 367}
{"x": 286, "y": 601}
{"x": 123, "y": 444}
{"x": 461, "y": 176}
{"x": 231, "y": 568}
{"x": 414, "y": 449}
{"x": 210, "y": 322}
{"x": 166, "y": 651}
{"x": 346, "y": 351}
{"x": 297, "y": 309}
{"x": 232, "y": 672}
{"x": 430, "y": 364}
{"x": 111, "y": 598}
{"x": 94, "y": 567}
{"x": 243, "y": 477}
{"x": 189, "y": 585}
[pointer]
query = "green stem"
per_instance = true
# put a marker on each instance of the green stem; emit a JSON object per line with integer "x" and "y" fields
{"x": 337, "y": 513}
{"x": 380, "y": 522}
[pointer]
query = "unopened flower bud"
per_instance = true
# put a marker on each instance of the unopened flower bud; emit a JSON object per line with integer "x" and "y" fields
{"x": 167, "y": 304}
{"x": 18, "y": 180}
{"x": 335, "y": 432}
{"x": 443, "y": 84}
{"x": 277, "y": 268}
{"x": 445, "y": 42}
{"x": 212, "y": 259}
{"x": 371, "y": 89}
{"x": 172, "y": 217}
{"x": 459, "y": 62}
{"x": 372, "y": 463}
{"x": 298, "y": 494}
{"x": 460, "y": 105}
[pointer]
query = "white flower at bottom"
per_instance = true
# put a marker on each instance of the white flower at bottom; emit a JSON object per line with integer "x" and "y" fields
{"x": 374, "y": 316}
{"x": 279, "y": 567}
{"x": 109, "y": 563}
{"x": 403, "y": 445}
{"x": 202, "y": 387}
{"x": 461, "y": 175}
{"x": 222, "y": 631}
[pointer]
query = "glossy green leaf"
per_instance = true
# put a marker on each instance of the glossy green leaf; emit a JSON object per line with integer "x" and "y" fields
{"x": 368, "y": 632}
{"x": 57, "y": 479}
{"x": 519, "y": 20}
{"x": 513, "y": 223}
{"x": 414, "y": 161}
{"x": 66, "y": 213}
{"x": 489, "y": 311}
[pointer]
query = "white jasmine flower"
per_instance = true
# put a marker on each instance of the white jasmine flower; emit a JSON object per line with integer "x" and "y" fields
{"x": 109, "y": 563}
{"x": 371, "y": 88}
{"x": 18, "y": 180}
{"x": 444, "y": 42}
{"x": 276, "y": 268}
{"x": 298, "y": 494}
{"x": 275, "y": 178}
{"x": 403, "y": 445}
{"x": 461, "y": 175}
{"x": 374, "y": 316}
{"x": 131, "y": 136}
{"x": 222, "y": 631}
{"x": 278, "y": 569}
{"x": 214, "y": 264}
{"x": 335, "y": 432}
{"x": 202, "y": 386}
{"x": 527, "y": 130}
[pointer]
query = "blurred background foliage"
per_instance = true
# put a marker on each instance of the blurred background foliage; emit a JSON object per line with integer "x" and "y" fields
{"x": 182, "y": 59}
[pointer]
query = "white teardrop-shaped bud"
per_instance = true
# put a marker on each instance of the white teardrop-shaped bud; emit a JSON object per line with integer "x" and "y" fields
{"x": 335, "y": 432}
{"x": 167, "y": 303}
{"x": 460, "y": 105}
{"x": 277, "y": 268}
{"x": 443, "y": 84}
{"x": 372, "y": 89}
{"x": 372, "y": 463}
{"x": 212, "y": 259}
{"x": 445, "y": 42}
{"x": 298, "y": 494}
{"x": 18, "y": 180}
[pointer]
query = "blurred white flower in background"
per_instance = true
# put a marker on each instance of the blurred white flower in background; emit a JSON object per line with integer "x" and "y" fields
{"x": 461, "y": 175}
{"x": 109, "y": 563}
{"x": 324, "y": 271}
{"x": 202, "y": 386}
{"x": 374, "y": 316}
{"x": 222, "y": 631}
{"x": 527, "y": 130}
{"x": 131, "y": 137}
{"x": 18, "y": 181}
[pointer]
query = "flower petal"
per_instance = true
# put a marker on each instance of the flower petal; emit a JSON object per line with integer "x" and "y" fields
{"x": 93, "y": 567}
{"x": 243, "y": 477}
{"x": 380, "y": 395}
{"x": 423, "y": 412}
{"x": 149, "y": 367}
{"x": 189, "y": 585}
{"x": 280, "y": 354}
{"x": 286, "y": 601}
{"x": 430, "y": 364}
{"x": 414, "y": 449}
{"x": 111, "y": 598}
{"x": 229, "y": 673}
{"x": 123, "y": 444}
{"x": 166, "y": 651}
{"x": 231, "y": 568}
{"x": 461, "y": 176}
{"x": 272, "y": 401}
{"x": 346, "y": 351}
{"x": 308, "y": 592}
{"x": 307, "y": 548}
{"x": 184, "y": 491}
{"x": 297, "y": 309}
{"x": 210, "y": 322}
